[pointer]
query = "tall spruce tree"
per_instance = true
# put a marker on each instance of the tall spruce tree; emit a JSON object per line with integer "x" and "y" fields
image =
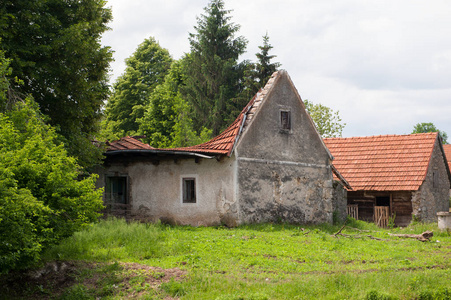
{"x": 54, "y": 48}
{"x": 146, "y": 69}
{"x": 257, "y": 74}
{"x": 264, "y": 67}
{"x": 213, "y": 74}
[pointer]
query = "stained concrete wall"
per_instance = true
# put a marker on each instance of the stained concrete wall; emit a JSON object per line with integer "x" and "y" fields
{"x": 339, "y": 201}
{"x": 155, "y": 191}
{"x": 433, "y": 195}
{"x": 283, "y": 175}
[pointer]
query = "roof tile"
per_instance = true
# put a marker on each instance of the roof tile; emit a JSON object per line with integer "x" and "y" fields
{"x": 384, "y": 162}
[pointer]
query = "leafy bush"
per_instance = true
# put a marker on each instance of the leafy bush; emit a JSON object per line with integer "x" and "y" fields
{"x": 41, "y": 200}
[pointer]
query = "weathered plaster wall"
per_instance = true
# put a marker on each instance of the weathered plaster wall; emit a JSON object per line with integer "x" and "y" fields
{"x": 155, "y": 190}
{"x": 275, "y": 192}
{"x": 433, "y": 195}
{"x": 283, "y": 175}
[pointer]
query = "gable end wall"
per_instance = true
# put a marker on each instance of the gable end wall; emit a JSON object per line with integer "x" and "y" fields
{"x": 430, "y": 199}
{"x": 283, "y": 176}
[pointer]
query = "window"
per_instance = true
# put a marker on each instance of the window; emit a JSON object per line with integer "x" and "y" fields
{"x": 189, "y": 190}
{"x": 434, "y": 179}
{"x": 116, "y": 189}
{"x": 285, "y": 120}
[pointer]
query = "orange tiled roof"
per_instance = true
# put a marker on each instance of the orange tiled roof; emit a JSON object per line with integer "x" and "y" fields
{"x": 128, "y": 143}
{"x": 222, "y": 144}
{"x": 385, "y": 162}
{"x": 447, "y": 149}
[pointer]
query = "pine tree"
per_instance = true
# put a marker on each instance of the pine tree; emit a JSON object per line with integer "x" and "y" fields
{"x": 213, "y": 74}
{"x": 257, "y": 74}
{"x": 146, "y": 69}
{"x": 264, "y": 68}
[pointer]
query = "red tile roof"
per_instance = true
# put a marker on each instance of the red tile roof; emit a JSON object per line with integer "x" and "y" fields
{"x": 222, "y": 144}
{"x": 128, "y": 143}
{"x": 447, "y": 149}
{"x": 385, "y": 162}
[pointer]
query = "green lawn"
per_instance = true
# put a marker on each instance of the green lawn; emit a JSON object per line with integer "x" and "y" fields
{"x": 116, "y": 260}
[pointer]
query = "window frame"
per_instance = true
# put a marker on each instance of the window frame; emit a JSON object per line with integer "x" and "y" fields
{"x": 285, "y": 122}
{"x": 193, "y": 199}
{"x": 109, "y": 187}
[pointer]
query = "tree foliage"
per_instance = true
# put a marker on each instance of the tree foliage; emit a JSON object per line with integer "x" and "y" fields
{"x": 328, "y": 122}
{"x": 257, "y": 74}
{"x": 264, "y": 67}
{"x": 146, "y": 69}
{"x": 41, "y": 199}
{"x": 213, "y": 74}
{"x": 167, "y": 121}
{"x": 55, "y": 50}
{"x": 430, "y": 127}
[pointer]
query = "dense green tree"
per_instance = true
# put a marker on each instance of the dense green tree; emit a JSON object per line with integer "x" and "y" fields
{"x": 213, "y": 74}
{"x": 430, "y": 127}
{"x": 5, "y": 70}
{"x": 167, "y": 122}
{"x": 41, "y": 200}
{"x": 257, "y": 74}
{"x": 54, "y": 47}
{"x": 328, "y": 122}
{"x": 264, "y": 66}
{"x": 146, "y": 69}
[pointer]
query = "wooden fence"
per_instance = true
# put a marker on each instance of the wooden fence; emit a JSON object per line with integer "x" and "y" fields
{"x": 381, "y": 215}
{"x": 353, "y": 211}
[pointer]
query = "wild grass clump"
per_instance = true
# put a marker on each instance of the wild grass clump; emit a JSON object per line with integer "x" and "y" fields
{"x": 114, "y": 239}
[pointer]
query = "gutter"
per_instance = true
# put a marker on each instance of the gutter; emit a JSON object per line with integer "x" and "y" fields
{"x": 149, "y": 151}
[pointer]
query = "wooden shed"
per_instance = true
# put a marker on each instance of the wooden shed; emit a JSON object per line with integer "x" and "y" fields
{"x": 394, "y": 176}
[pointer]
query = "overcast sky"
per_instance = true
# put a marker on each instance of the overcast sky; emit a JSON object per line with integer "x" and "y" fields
{"x": 384, "y": 65}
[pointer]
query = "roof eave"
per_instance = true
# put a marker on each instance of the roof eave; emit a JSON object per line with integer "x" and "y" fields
{"x": 158, "y": 151}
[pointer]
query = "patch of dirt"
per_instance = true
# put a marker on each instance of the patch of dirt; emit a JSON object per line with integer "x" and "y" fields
{"x": 52, "y": 280}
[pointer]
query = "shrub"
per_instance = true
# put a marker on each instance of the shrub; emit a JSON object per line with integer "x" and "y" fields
{"x": 41, "y": 200}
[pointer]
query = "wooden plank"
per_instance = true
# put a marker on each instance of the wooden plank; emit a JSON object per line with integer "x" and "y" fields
{"x": 381, "y": 215}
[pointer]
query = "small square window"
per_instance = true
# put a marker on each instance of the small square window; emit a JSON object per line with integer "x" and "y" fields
{"x": 285, "y": 120}
{"x": 189, "y": 190}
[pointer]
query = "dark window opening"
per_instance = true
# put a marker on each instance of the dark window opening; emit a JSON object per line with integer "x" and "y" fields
{"x": 382, "y": 201}
{"x": 189, "y": 190}
{"x": 434, "y": 179}
{"x": 116, "y": 189}
{"x": 285, "y": 120}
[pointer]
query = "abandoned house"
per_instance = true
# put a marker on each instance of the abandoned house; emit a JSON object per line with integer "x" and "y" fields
{"x": 397, "y": 176}
{"x": 269, "y": 165}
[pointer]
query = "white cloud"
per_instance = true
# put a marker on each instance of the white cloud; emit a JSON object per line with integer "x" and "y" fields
{"x": 385, "y": 65}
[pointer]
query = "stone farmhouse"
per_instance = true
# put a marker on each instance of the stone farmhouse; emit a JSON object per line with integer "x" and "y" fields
{"x": 269, "y": 165}
{"x": 396, "y": 176}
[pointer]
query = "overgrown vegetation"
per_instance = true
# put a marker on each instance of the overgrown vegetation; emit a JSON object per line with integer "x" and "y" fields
{"x": 266, "y": 261}
{"x": 41, "y": 200}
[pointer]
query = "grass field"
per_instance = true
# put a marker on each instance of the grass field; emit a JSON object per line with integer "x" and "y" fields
{"x": 116, "y": 260}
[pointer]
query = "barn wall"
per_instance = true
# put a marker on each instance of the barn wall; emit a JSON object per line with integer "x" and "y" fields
{"x": 339, "y": 201}
{"x": 155, "y": 191}
{"x": 401, "y": 205}
{"x": 433, "y": 195}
